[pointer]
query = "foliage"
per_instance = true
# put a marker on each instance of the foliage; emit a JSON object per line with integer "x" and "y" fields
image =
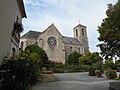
{"x": 93, "y": 60}
{"x": 58, "y": 70}
{"x": 117, "y": 64}
{"x": 18, "y": 72}
{"x": 92, "y": 70}
{"x": 43, "y": 59}
{"x": 111, "y": 74}
{"x": 108, "y": 64}
{"x": 73, "y": 58}
{"x": 116, "y": 78}
{"x": 90, "y": 58}
{"x": 18, "y": 27}
{"x": 110, "y": 32}
{"x": 78, "y": 68}
{"x": 99, "y": 66}
{"x": 65, "y": 68}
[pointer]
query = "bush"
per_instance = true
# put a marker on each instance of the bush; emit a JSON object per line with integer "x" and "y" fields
{"x": 73, "y": 58}
{"x": 57, "y": 70}
{"x": 59, "y": 67}
{"x": 111, "y": 74}
{"x": 78, "y": 68}
{"x": 90, "y": 58}
{"x": 19, "y": 72}
{"x": 92, "y": 70}
{"x": 108, "y": 64}
{"x": 43, "y": 59}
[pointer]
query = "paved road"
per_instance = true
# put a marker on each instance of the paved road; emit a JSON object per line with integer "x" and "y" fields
{"x": 75, "y": 81}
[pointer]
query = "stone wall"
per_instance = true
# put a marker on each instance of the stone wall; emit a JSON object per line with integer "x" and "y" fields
{"x": 57, "y": 53}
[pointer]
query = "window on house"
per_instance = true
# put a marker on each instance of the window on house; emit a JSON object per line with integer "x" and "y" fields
{"x": 17, "y": 18}
{"x": 22, "y": 44}
{"x": 82, "y": 31}
{"x": 13, "y": 50}
{"x": 79, "y": 49}
{"x": 76, "y": 32}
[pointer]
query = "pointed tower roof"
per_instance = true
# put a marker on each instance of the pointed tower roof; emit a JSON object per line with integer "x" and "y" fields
{"x": 80, "y": 26}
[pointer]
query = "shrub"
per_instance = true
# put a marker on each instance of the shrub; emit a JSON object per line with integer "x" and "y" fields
{"x": 73, "y": 58}
{"x": 111, "y": 74}
{"x": 58, "y": 70}
{"x": 108, "y": 64}
{"x": 43, "y": 59}
{"x": 17, "y": 73}
{"x": 92, "y": 70}
{"x": 99, "y": 66}
{"x": 90, "y": 58}
{"x": 59, "y": 67}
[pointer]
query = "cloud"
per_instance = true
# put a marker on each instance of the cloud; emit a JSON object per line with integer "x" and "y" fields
{"x": 35, "y": 4}
{"x": 66, "y": 15}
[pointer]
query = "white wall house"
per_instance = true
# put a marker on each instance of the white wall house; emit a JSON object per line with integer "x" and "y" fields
{"x": 11, "y": 14}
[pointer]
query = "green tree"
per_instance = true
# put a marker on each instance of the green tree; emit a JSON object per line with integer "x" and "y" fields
{"x": 108, "y": 64}
{"x": 110, "y": 32}
{"x": 73, "y": 58}
{"x": 43, "y": 59}
{"x": 90, "y": 58}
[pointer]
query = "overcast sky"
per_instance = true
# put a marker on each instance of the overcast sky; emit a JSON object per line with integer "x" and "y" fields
{"x": 66, "y": 14}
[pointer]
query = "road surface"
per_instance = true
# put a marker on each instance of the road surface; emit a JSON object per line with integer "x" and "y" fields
{"x": 75, "y": 81}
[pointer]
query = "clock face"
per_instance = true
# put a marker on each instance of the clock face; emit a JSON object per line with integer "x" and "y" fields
{"x": 51, "y": 42}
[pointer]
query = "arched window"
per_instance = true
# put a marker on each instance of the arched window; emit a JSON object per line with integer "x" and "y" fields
{"x": 22, "y": 44}
{"x": 13, "y": 50}
{"x": 76, "y": 32}
{"x": 82, "y": 31}
{"x": 79, "y": 49}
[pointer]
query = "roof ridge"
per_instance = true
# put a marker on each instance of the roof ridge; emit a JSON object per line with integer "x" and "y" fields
{"x": 50, "y": 27}
{"x": 33, "y": 31}
{"x": 69, "y": 37}
{"x": 31, "y": 34}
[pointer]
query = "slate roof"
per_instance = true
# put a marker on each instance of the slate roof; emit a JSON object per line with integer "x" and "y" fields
{"x": 31, "y": 34}
{"x": 70, "y": 40}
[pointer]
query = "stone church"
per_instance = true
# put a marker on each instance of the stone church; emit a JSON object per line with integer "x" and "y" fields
{"x": 57, "y": 46}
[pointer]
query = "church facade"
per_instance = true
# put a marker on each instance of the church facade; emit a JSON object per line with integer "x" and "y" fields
{"x": 57, "y": 46}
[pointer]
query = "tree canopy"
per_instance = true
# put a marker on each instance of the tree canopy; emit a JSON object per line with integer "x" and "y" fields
{"x": 73, "y": 58}
{"x": 110, "y": 32}
{"x": 90, "y": 58}
{"x": 41, "y": 53}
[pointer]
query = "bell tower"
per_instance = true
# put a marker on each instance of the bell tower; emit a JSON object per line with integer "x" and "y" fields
{"x": 80, "y": 32}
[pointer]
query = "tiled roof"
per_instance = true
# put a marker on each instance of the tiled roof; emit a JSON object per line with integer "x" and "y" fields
{"x": 31, "y": 35}
{"x": 70, "y": 40}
